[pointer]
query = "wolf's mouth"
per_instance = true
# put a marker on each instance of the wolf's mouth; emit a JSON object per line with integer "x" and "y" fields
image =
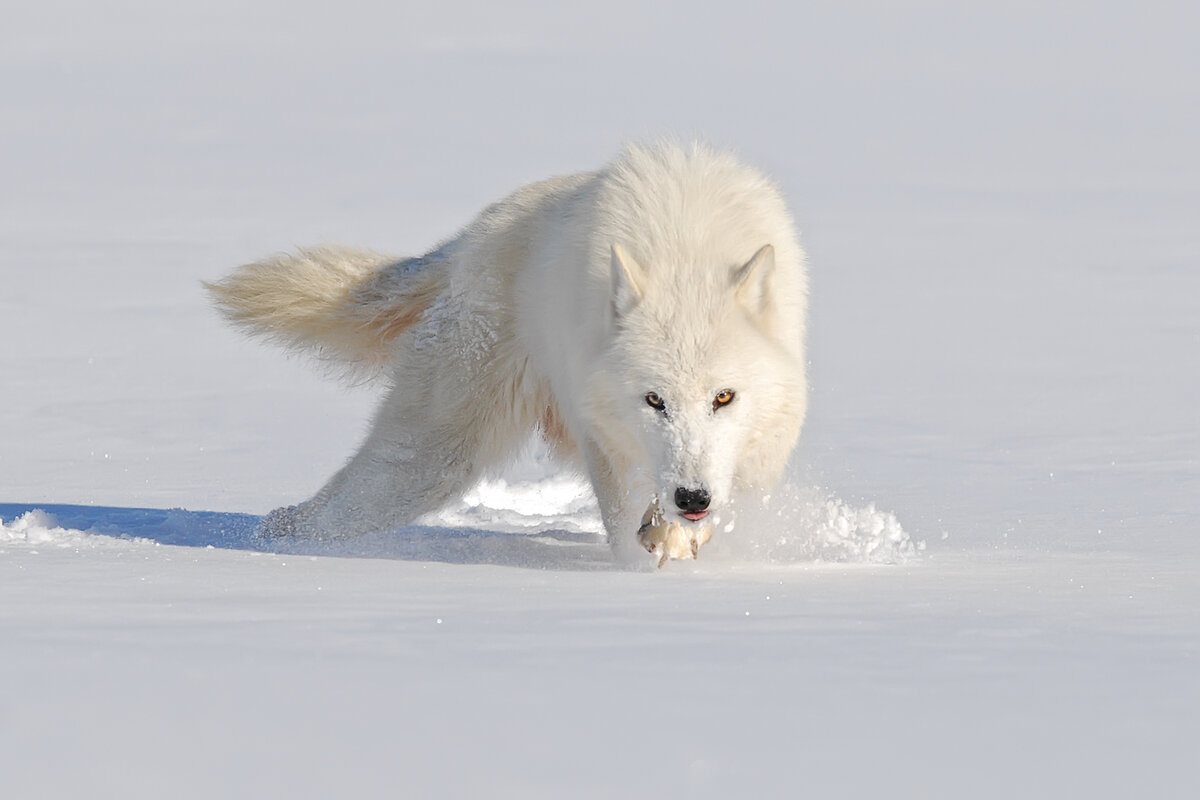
{"x": 694, "y": 516}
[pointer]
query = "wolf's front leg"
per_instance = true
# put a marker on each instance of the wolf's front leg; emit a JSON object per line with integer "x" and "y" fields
{"x": 620, "y": 506}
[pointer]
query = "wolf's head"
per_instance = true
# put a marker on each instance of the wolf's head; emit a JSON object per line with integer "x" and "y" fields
{"x": 696, "y": 387}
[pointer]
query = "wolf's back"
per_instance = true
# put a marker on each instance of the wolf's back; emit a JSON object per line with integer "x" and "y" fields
{"x": 341, "y": 304}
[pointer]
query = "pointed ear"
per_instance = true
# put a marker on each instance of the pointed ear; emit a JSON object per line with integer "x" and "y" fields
{"x": 752, "y": 280}
{"x": 627, "y": 281}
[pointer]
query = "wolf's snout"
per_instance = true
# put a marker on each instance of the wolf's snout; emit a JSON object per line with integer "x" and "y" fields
{"x": 692, "y": 501}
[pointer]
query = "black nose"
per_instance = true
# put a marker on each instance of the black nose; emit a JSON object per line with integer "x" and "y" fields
{"x": 692, "y": 501}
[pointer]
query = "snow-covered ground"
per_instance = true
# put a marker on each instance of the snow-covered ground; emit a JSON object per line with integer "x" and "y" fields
{"x": 980, "y": 580}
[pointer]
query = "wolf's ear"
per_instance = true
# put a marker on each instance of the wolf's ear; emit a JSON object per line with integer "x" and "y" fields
{"x": 752, "y": 280}
{"x": 627, "y": 281}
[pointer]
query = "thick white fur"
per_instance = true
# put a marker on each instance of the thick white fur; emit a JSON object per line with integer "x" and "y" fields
{"x": 559, "y": 309}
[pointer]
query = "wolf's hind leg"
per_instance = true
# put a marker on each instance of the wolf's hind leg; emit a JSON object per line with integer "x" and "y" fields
{"x": 388, "y": 483}
{"x": 420, "y": 455}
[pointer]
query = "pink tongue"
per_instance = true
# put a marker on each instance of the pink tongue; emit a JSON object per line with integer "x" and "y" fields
{"x": 695, "y": 515}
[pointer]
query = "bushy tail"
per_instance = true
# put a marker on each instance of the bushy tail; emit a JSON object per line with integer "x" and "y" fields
{"x": 343, "y": 305}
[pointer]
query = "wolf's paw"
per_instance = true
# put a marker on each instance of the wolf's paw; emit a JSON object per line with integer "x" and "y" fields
{"x": 280, "y": 522}
{"x": 672, "y": 539}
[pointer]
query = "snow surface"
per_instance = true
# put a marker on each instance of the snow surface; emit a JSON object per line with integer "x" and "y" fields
{"x": 980, "y": 580}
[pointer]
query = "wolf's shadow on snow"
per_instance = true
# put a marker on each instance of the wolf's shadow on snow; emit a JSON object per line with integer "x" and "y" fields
{"x": 549, "y": 549}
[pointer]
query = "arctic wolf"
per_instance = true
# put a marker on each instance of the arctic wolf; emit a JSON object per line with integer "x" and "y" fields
{"x": 647, "y": 319}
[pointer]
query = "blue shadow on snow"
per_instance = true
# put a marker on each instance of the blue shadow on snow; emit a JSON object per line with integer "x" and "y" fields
{"x": 550, "y": 549}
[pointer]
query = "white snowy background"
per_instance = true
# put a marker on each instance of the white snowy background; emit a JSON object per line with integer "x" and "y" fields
{"x": 980, "y": 581}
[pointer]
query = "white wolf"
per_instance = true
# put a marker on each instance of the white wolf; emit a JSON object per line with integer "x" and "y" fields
{"x": 647, "y": 319}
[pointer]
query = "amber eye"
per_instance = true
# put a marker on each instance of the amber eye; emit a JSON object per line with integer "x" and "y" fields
{"x": 723, "y": 398}
{"x": 655, "y": 402}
